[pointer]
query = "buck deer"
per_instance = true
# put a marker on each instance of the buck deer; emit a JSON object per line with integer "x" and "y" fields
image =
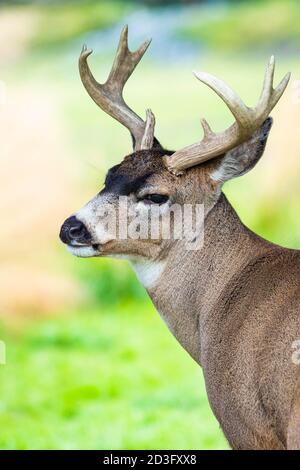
{"x": 233, "y": 304}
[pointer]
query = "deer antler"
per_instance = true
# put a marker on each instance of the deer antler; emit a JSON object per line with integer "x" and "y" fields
{"x": 247, "y": 120}
{"x": 109, "y": 96}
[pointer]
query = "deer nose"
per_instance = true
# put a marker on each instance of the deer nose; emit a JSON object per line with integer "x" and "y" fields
{"x": 73, "y": 230}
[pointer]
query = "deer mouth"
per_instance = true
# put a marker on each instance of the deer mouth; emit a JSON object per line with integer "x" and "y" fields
{"x": 83, "y": 251}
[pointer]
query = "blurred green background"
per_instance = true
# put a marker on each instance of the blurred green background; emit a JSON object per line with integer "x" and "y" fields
{"x": 90, "y": 365}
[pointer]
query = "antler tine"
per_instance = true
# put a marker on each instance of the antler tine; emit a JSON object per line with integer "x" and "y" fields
{"x": 147, "y": 141}
{"x": 125, "y": 62}
{"x": 268, "y": 83}
{"x": 278, "y": 92}
{"x": 239, "y": 110}
{"x": 109, "y": 95}
{"x": 270, "y": 96}
{"x": 247, "y": 121}
{"x": 207, "y": 132}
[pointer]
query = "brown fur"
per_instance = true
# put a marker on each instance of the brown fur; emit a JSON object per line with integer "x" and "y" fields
{"x": 239, "y": 323}
{"x": 233, "y": 305}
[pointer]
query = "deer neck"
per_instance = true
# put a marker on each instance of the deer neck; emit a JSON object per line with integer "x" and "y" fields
{"x": 185, "y": 285}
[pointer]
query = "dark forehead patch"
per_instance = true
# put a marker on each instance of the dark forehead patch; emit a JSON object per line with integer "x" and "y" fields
{"x": 122, "y": 184}
{"x": 132, "y": 173}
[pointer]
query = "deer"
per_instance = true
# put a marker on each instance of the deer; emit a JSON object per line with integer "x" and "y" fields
{"x": 233, "y": 305}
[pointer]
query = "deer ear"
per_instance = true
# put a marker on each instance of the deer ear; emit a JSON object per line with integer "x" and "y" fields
{"x": 244, "y": 157}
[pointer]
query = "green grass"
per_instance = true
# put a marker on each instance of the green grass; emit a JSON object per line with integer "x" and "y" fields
{"x": 110, "y": 379}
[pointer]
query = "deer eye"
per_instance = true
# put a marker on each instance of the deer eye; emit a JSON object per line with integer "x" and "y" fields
{"x": 155, "y": 199}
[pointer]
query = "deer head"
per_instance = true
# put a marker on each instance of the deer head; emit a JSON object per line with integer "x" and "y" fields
{"x": 153, "y": 176}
